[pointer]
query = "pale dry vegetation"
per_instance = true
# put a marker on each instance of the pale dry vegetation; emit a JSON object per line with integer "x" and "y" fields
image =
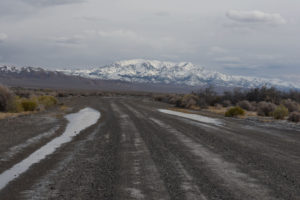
{"x": 13, "y": 105}
{"x": 264, "y": 102}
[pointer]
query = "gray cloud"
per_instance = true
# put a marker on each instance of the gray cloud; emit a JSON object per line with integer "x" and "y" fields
{"x": 51, "y": 2}
{"x": 255, "y": 16}
{"x": 216, "y": 50}
{"x": 3, "y": 37}
{"x": 60, "y": 33}
{"x": 76, "y": 39}
{"x": 228, "y": 60}
{"x": 18, "y": 9}
{"x": 162, "y": 13}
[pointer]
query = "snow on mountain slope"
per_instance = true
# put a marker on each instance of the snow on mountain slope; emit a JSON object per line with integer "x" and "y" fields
{"x": 183, "y": 73}
{"x": 5, "y": 69}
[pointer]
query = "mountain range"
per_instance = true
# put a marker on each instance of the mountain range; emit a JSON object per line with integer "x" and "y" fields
{"x": 138, "y": 74}
{"x": 183, "y": 73}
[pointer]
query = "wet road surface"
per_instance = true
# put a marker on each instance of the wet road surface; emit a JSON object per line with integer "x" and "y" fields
{"x": 134, "y": 151}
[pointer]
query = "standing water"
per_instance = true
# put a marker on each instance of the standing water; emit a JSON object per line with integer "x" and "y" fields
{"x": 77, "y": 122}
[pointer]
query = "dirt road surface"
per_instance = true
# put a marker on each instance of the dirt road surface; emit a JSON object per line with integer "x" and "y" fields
{"x": 134, "y": 151}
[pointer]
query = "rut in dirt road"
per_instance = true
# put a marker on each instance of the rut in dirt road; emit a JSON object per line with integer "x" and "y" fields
{"x": 178, "y": 181}
{"x": 139, "y": 178}
{"x": 251, "y": 151}
{"x": 240, "y": 185}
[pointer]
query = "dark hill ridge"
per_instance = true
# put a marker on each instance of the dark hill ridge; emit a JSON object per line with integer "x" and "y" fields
{"x": 41, "y": 78}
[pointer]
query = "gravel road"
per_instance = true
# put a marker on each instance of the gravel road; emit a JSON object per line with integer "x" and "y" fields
{"x": 134, "y": 151}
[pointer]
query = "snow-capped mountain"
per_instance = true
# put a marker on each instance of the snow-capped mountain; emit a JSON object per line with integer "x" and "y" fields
{"x": 10, "y": 69}
{"x": 183, "y": 73}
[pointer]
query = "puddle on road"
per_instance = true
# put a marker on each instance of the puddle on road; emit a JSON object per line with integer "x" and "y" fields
{"x": 77, "y": 122}
{"x": 195, "y": 117}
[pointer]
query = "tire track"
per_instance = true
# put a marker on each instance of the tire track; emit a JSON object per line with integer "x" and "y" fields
{"x": 276, "y": 168}
{"x": 178, "y": 181}
{"x": 239, "y": 183}
{"x": 13, "y": 151}
{"x": 139, "y": 176}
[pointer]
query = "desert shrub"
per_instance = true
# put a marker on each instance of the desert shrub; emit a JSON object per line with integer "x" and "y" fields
{"x": 62, "y": 94}
{"x": 158, "y": 98}
{"x": 280, "y": 112}
{"x": 174, "y": 99}
{"x": 178, "y": 103}
{"x": 265, "y": 108}
{"x": 294, "y": 117}
{"x": 165, "y": 99}
{"x": 235, "y": 111}
{"x": 245, "y": 105}
{"x": 187, "y": 101}
{"x": 47, "y": 101}
{"x": 191, "y": 103}
{"x": 202, "y": 103}
{"x": 218, "y": 106}
{"x": 294, "y": 95}
{"x": 208, "y": 97}
{"x": 226, "y": 103}
{"x": 6, "y": 97}
{"x": 264, "y": 94}
{"x": 29, "y": 104}
{"x": 15, "y": 105}
{"x": 290, "y": 105}
{"x": 254, "y": 105}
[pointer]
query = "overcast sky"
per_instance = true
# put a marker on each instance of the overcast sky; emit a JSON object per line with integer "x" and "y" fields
{"x": 248, "y": 37}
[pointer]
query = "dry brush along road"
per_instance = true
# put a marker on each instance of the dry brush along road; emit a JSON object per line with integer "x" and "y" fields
{"x": 135, "y": 150}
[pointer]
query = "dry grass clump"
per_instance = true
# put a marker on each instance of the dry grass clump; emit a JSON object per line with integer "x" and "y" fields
{"x": 16, "y": 105}
{"x": 280, "y": 112}
{"x": 217, "y": 109}
{"x": 29, "y": 105}
{"x": 47, "y": 101}
{"x": 6, "y": 115}
{"x": 234, "y": 112}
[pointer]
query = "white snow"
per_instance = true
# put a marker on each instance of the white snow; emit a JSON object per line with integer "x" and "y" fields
{"x": 182, "y": 73}
{"x": 153, "y": 71}
{"x": 195, "y": 117}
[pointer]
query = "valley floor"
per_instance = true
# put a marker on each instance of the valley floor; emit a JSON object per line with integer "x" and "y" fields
{"x": 136, "y": 152}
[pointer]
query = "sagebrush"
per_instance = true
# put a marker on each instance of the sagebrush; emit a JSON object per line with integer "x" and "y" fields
{"x": 235, "y": 111}
{"x": 6, "y": 97}
{"x": 280, "y": 112}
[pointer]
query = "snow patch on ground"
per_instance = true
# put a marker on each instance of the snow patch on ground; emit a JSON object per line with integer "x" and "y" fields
{"x": 195, "y": 117}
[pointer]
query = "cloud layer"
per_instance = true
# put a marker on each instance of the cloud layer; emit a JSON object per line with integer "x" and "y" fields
{"x": 3, "y": 37}
{"x": 255, "y": 16}
{"x": 249, "y": 37}
{"x": 51, "y": 2}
